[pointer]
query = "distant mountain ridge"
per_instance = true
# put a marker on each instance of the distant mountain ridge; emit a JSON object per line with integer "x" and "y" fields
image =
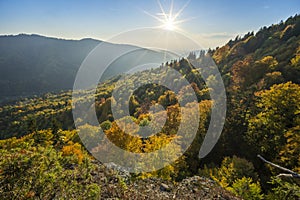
{"x": 34, "y": 64}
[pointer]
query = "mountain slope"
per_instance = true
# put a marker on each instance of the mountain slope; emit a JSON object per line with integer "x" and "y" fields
{"x": 33, "y": 64}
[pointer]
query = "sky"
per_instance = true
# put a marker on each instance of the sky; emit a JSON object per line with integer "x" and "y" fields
{"x": 211, "y": 23}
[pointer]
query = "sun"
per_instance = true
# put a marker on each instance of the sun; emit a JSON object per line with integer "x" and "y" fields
{"x": 169, "y": 20}
{"x": 169, "y": 25}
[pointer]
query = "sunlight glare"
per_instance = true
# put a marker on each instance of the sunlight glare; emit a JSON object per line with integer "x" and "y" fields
{"x": 169, "y": 25}
{"x": 168, "y": 20}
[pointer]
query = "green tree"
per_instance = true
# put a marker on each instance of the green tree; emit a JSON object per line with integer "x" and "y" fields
{"x": 277, "y": 112}
{"x": 283, "y": 190}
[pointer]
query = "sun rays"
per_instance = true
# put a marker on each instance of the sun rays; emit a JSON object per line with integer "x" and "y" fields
{"x": 169, "y": 20}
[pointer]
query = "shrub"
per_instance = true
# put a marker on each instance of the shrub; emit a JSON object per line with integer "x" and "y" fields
{"x": 245, "y": 188}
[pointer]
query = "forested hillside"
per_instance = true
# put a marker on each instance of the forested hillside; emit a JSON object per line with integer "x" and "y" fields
{"x": 261, "y": 73}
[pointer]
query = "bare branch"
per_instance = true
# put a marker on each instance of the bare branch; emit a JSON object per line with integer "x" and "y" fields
{"x": 285, "y": 175}
{"x": 291, "y": 173}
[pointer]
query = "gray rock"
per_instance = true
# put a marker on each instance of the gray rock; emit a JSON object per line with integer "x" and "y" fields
{"x": 165, "y": 187}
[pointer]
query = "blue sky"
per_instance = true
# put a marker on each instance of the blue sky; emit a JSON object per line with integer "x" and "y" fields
{"x": 214, "y": 22}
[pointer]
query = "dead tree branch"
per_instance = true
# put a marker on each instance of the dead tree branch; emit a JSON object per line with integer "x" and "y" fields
{"x": 291, "y": 173}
